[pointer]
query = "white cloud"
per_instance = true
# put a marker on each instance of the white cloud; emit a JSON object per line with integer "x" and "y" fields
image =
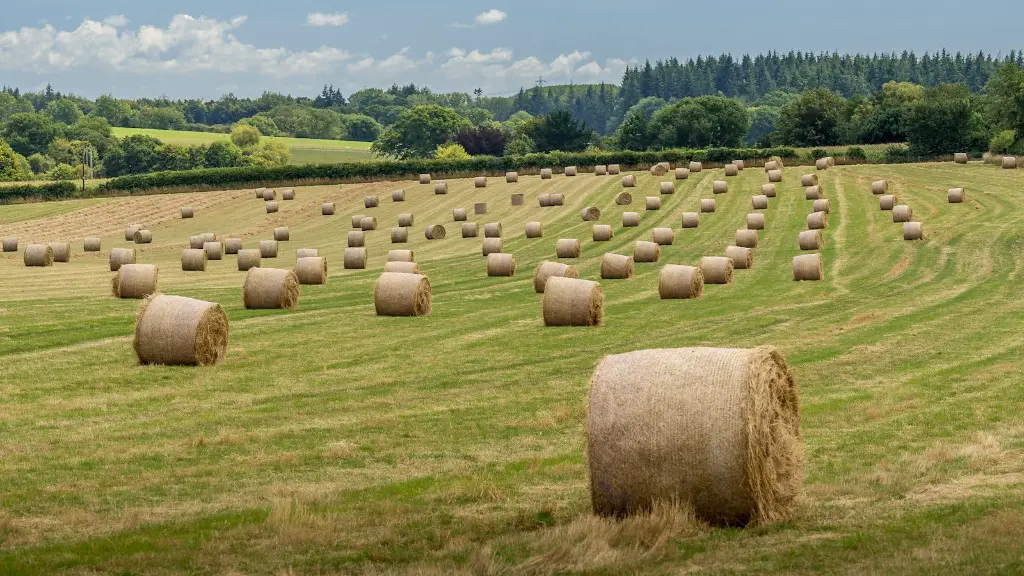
{"x": 492, "y": 16}
{"x": 323, "y": 19}
{"x": 117, "y": 20}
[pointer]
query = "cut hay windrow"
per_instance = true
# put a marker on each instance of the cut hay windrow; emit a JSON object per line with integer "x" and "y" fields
{"x": 401, "y": 256}
{"x": 668, "y": 188}
{"x": 696, "y": 167}
{"x": 311, "y": 270}
{"x": 813, "y": 193}
{"x": 470, "y": 229}
{"x": 630, "y": 219}
{"x": 768, "y": 190}
{"x": 811, "y": 240}
{"x": 546, "y": 270}
{"x": 567, "y": 248}
{"x": 902, "y": 213}
{"x": 399, "y": 294}
{"x": 281, "y": 234}
{"x": 38, "y": 255}
{"x": 746, "y": 238}
{"x": 755, "y": 221}
{"x": 399, "y": 235}
{"x": 492, "y": 230}
{"x": 676, "y": 282}
{"x": 663, "y": 236}
{"x": 306, "y": 253}
{"x": 644, "y": 251}
{"x": 187, "y": 212}
{"x": 269, "y": 195}
{"x": 356, "y": 239}
{"x": 817, "y": 220}
{"x": 193, "y": 260}
{"x": 956, "y": 195}
{"x": 434, "y": 232}
{"x": 368, "y": 223}
{"x": 731, "y": 170}
{"x": 716, "y": 269}
{"x": 61, "y": 252}
{"x": 879, "y": 187}
{"x": 500, "y": 264}
{"x": 720, "y": 187}
{"x": 716, "y": 428}
{"x": 143, "y": 236}
{"x": 534, "y": 230}
{"x": 357, "y": 221}
{"x": 480, "y": 208}
{"x": 249, "y": 259}
{"x": 355, "y": 258}
{"x": 492, "y": 246}
{"x": 371, "y": 202}
{"x": 691, "y": 220}
{"x": 602, "y": 233}
{"x": 809, "y": 180}
{"x": 327, "y": 209}
{"x": 120, "y": 257}
{"x": 460, "y": 214}
{"x": 480, "y": 182}
{"x": 629, "y": 181}
{"x": 271, "y": 207}
{"x": 822, "y": 205}
{"x": 707, "y": 205}
{"x": 590, "y": 213}
{"x": 759, "y": 202}
{"x": 1009, "y": 163}
{"x": 807, "y": 267}
{"x": 179, "y": 331}
{"x": 441, "y": 187}
{"x": 129, "y": 232}
{"x": 653, "y": 203}
{"x": 600, "y": 170}
{"x": 424, "y": 178}
{"x": 511, "y": 177}
{"x": 572, "y": 302}
{"x": 557, "y": 199}
{"x": 742, "y": 258}
{"x": 402, "y": 267}
{"x": 545, "y": 174}
{"x": 913, "y": 230}
{"x": 616, "y": 267}
{"x": 268, "y": 248}
{"x": 821, "y": 164}
{"x": 92, "y": 244}
{"x": 10, "y": 244}
{"x": 960, "y": 158}
{"x": 623, "y": 199}
{"x": 518, "y": 199}
{"x": 134, "y": 281}
{"x": 614, "y": 170}
{"x": 682, "y": 173}
{"x": 405, "y": 219}
{"x": 775, "y": 176}
{"x": 398, "y": 196}
{"x": 570, "y": 171}
{"x": 288, "y": 194}
{"x": 232, "y": 245}
{"x": 214, "y": 250}
{"x": 270, "y": 289}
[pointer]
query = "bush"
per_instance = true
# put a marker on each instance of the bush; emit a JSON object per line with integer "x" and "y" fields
{"x": 451, "y": 152}
{"x": 897, "y": 154}
{"x": 245, "y": 136}
{"x": 40, "y": 163}
{"x": 49, "y": 191}
{"x": 856, "y": 153}
{"x": 1002, "y": 143}
{"x": 818, "y": 153}
{"x": 62, "y": 172}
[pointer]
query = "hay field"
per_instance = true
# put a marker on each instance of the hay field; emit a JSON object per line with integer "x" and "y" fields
{"x": 336, "y": 441}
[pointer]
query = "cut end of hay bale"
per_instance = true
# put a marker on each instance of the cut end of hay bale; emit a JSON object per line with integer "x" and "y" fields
{"x": 398, "y": 294}
{"x": 174, "y": 330}
{"x": 623, "y": 199}
{"x": 590, "y": 213}
{"x": 270, "y": 288}
{"x": 434, "y": 232}
{"x": 572, "y": 302}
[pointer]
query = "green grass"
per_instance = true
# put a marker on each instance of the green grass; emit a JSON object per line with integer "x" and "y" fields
{"x": 333, "y": 440}
{"x": 304, "y": 150}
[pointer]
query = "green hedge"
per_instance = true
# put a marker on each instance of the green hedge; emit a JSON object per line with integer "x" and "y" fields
{"x": 401, "y": 168}
{"x": 48, "y": 191}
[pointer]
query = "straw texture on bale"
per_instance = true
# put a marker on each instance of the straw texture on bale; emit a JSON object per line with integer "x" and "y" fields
{"x": 500, "y": 264}
{"x": 460, "y": 214}
{"x": 214, "y": 250}
{"x": 731, "y": 170}
{"x": 480, "y": 182}
{"x": 771, "y": 165}
{"x": 955, "y": 195}
{"x": 567, "y": 248}
{"x": 368, "y": 223}
{"x": 271, "y": 207}
{"x": 260, "y": 192}
{"x": 10, "y": 244}
{"x": 696, "y": 167}
{"x": 544, "y": 200}
{"x": 902, "y": 213}
{"x": 990, "y": 158}
{"x": 143, "y": 236}
{"x": 680, "y": 282}
{"x": 424, "y": 178}
{"x": 92, "y": 245}
{"x": 129, "y": 232}
{"x": 232, "y": 245}
{"x": 600, "y": 170}
{"x": 807, "y": 267}
{"x": 716, "y": 269}
{"x": 249, "y": 259}
{"x": 614, "y": 169}
{"x": 270, "y": 289}
{"x": 288, "y": 194}
{"x": 623, "y": 199}
{"x": 327, "y": 209}
{"x": 306, "y": 253}
{"x": 492, "y": 230}
{"x": 545, "y": 173}
{"x": 663, "y": 236}
{"x": 809, "y": 180}
{"x": 668, "y": 188}
{"x": 768, "y": 190}
{"x": 880, "y": 187}
{"x": 682, "y": 173}
{"x": 281, "y": 234}
{"x": 492, "y": 246}
{"x": 759, "y": 202}
{"x": 658, "y": 170}
{"x": 311, "y": 270}
{"x": 628, "y": 181}
{"x": 691, "y": 220}
{"x": 742, "y": 258}
{"x": 441, "y": 187}
{"x": 399, "y": 235}
{"x": 534, "y": 230}
{"x": 1009, "y": 162}
{"x": 653, "y": 203}
{"x": 720, "y": 187}
{"x": 356, "y": 239}
{"x": 355, "y": 258}
{"x": 120, "y": 257}
{"x": 775, "y": 176}
{"x": 401, "y": 294}
{"x": 269, "y": 195}
{"x": 590, "y": 213}
{"x": 179, "y": 331}
{"x": 746, "y": 238}
{"x": 480, "y": 208}
{"x": 821, "y": 164}
{"x": 546, "y": 270}
{"x": 557, "y": 199}
{"x": 570, "y": 171}
{"x": 518, "y": 199}
{"x": 572, "y": 302}
{"x": 755, "y": 221}
{"x": 644, "y": 251}
{"x": 707, "y": 205}
{"x": 405, "y": 219}
{"x": 913, "y": 230}
{"x": 616, "y": 267}
{"x": 602, "y": 232}
{"x": 134, "y": 281}
{"x": 470, "y": 229}
{"x": 511, "y": 177}
{"x": 813, "y": 193}
{"x": 811, "y": 240}
{"x": 268, "y": 248}
{"x": 371, "y": 202}
{"x": 400, "y": 256}
{"x": 817, "y": 220}
{"x": 187, "y": 212}
{"x": 738, "y": 164}
{"x": 717, "y": 429}
{"x": 630, "y": 219}
{"x": 193, "y": 260}
{"x": 38, "y": 255}
{"x": 886, "y": 202}
{"x": 61, "y": 251}
{"x": 357, "y": 221}
{"x": 823, "y": 205}
{"x": 960, "y": 158}
{"x": 402, "y": 267}
{"x": 434, "y": 232}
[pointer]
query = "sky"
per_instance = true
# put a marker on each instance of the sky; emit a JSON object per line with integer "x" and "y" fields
{"x": 206, "y": 48}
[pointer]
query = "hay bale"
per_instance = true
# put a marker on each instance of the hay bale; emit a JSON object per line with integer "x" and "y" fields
{"x": 680, "y": 282}
{"x": 355, "y": 258}
{"x": 424, "y": 178}
{"x": 441, "y": 187}
{"x": 629, "y": 181}
{"x": 716, "y": 269}
{"x": 775, "y": 176}
{"x": 823, "y": 205}
{"x": 511, "y": 177}
{"x": 269, "y": 195}
{"x": 288, "y": 194}
{"x": 955, "y": 195}
{"x": 759, "y": 202}
{"x": 600, "y": 170}
{"x": 913, "y": 230}
{"x": 306, "y": 253}
{"x": 232, "y": 245}
{"x": 614, "y": 169}
{"x": 398, "y": 196}
{"x": 831, "y": 161}
{"x": 356, "y": 239}
{"x": 327, "y": 209}
{"x": 143, "y": 237}
{"x": 630, "y": 219}
{"x": 268, "y": 248}
{"x": 214, "y": 250}
{"x": 771, "y": 165}
{"x": 990, "y": 158}
{"x": 742, "y": 258}
{"x": 371, "y": 202}
{"x": 480, "y": 208}
{"x": 557, "y": 199}
{"x": 809, "y": 180}
{"x": 311, "y": 270}
{"x": 602, "y": 233}
{"x": 270, "y": 289}
{"x": 368, "y": 223}
{"x": 658, "y": 170}
{"x": 534, "y": 230}
{"x": 500, "y": 264}
{"x": 746, "y": 238}
{"x": 768, "y": 190}
{"x": 10, "y": 244}
{"x": 480, "y": 182}
{"x": 707, "y": 205}
{"x": 691, "y": 220}
{"x": 960, "y": 157}
{"x": 281, "y": 234}
{"x": 567, "y": 248}
{"x": 572, "y": 302}
{"x": 38, "y": 255}
{"x": 492, "y": 230}
{"x": 547, "y": 270}
{"x": 739, "y": 164}
{"x": 813, "y": 193}
{"x": 616, "y": 267}
{"x": 755, "y": 221}
{"x": 134, "y": 281}
{"x": 663, "y": 236}
{"x": 590, "y": 213}
{"x": 1009, "y": 162}
{"x": 400, "y": 256}
{"x": 886, "y": 202}
{"x": 187, "y": 212}
{"x": 653, "y": 203}
{"x": 193, "y": 260}
{"x": 260, "y": 192}
{"x": 570, "y": 171}
{"x": 120, "y": 257}
{"x": 696, "y": 167}
{"x": 545, "y": 174}
{"x": 646, "y": 251}
{"x": 91, "y": 244}
{"x": 249, "y": 259}
{"x": 460, "y": 214}
{"x": 807, "y": 267}
{"x": 470, "y": 229}
{"x": 731, "y": 170}
{"x": 544, "y": 200}
{"x": 811, "y": 240}
{"x": 623, "y": 199}
{"x": 357, "y": 221}
{"x": 668, "y": 188}
{"x": 821, "y": 164}
{"x": 398, "y": 294}
{"x": 179, "y": 331}
{"x": 902, "y": 213}
{"x": 720, "y": 187}
{"x": 271, "y": 207}
{"x": 434, "y": 232}
{"x": 682, "y": 173}
{"x": 61, "y": 251}
{"x": 817, "y": 220}
{"x": 399, "y": 235}
{"x": 492, "y": 246}
{"x": 518, "y": 199}
{"x": 405, "y": 219}
{"x": 880, "y": 187}
{"x": 402, "y": 267}
{"x": 129, "y": 232}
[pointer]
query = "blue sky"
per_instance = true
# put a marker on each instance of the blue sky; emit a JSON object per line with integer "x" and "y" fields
{"x": 196, "y": 48}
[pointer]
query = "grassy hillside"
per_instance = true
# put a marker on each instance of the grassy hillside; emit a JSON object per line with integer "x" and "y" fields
{"x": 333, "y": 440}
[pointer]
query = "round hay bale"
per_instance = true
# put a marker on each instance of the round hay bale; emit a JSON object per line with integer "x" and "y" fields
{"x": 38, "y": 255}
{"x": 600, "y": 170}
{"x": 269, "y": 195}
{"x": 500, "y": 264}
{"x": 193, "y": 260}
{"x": 811, "y": 240}
{"x": 311, "y": 270}
{"x": 768, "y": 190}
{"x": 460, "y": 214}
{"x": 691, "y": 220}
{"x": 368, "y": 223}
{"x": 590, "y": 213}
{"x": 570, "y": 171}
{"x": 492, "y": 230}
{"x": 707, "y": 205}
{"x": 817, "y": 220}
{"x": 990, "y": 158}
{"x": 480, "y": 208}
{"x": 306, "y": 253}
{"x": 557, "y": 199}
{"x": 544, "y": 200}
{"x": 424, "y": 178}
{"x": 470, "y": 229}
{"x": 281, "y": 234}
{"x": 739, "y": 164}
{"x": 402, "y": 267}
{"x": 259, "y": 192}
{"x": 886, "y": 202}
{"x": 742, "y": 258}
{"x": 10, "y": 244}
{"x": 823, "y": 205}
{"x": 572, "y": 302}
{"x": 831, "y": 161}
{"x": 399, "y": 235}
{"x": 400, "y": 256}
{"x": 518, "y": 199}
{"x": 398, "y": 196}
{"x": 759, "y": 202}
{"x": 187, "y": 212}
{"x": 355, "y": 258}
{"x": 629, "y": 181}
{"x": 143, "y": 237}
{"x": 179, "y": 331}
{"x": 232, "y": 245}
{"x": 775, "y": 176}
{"x": 129, "y": 232}
{"x": 602, "y": 233}
{"x": 663, "y": 236}
{"x": 644, "y": 251}
{"x": 480, "y": 182}
{"x": 716, "y": 269}
{"x": 134, "y": 281}
{"x": 288, "y": 194}
{"x": 434, "y": 232}
{"x": 715, "y": 428}
{"x": 214, "y": 250}
{"x": 567, "y": 248}
{"x": 492, "y": 246}
{"x": 813, "y": 193}
{"x": 268, "y": 248}
{"x": 696, "y": 167}
{"x": 755, "y": 221}
{"x": 630, "y": 219}
{"x": 441, "y": 187}
{"x": 61, "y": 252}
{"x": 955, "y": 195}
{"x": 357, "y": 221}
{"x": 746, "y": 238}
{"x": 658, "y": 170}
{"x": 731, "y": 170}
{"x": 614, "y": 169}
{"x": 682, "y": 173}
{"x": 880, "y": 187}
{"x": 249, "y": 259}
{"x": 327, "y": 209}
{"x": 771, "y": 165}
{"x": 720, "y": 187}
{"x": 616, "y": 267}
{"x": 623, "y": 199}
{"x": 534, "y": 230}
{"x": 120, "y": 257}
{"x": 511, "y": 177}
{"x": 807, "y": 267}
{"x": 405, "y": 219}
{"x": 371, "y": 202}
{"x": 91, "y": 244}
{"x": 270, "y": 289}
{"x": 271, "y": 207}
{"x": 546, "y": 270}
{"x": 1009, "y": 162}
{"x": 398, "y": 294}
{"x": 960, "y": 158}
{"x": 356, "y": 239}
{"x": 680, "y": 282}
{"x": 913, "y": 230}
{"x": 668, "y": 188}
{"x": 902, "y": 213}
{"x": 821, "y": 164}
{"x": 653, "y": 203}
{"x": 545, "y": 173}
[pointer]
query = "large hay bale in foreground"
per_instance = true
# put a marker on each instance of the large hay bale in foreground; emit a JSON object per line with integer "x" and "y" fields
{"x": 696, "y": 167}
{"x": 401, "y": 256}
{"x": 10, "y": 244}
{"x": 270, "y": 289}
{"x": 460, "y": 214}
{"x": 1009, "y": 162}
{"x": 179, "y": 331}
{"x": 811, "y": 240}
{"x": 306, "y": 253}
{"x": 960, "y": 157}
{"x": 534, "y": 230}
{"x": 629, "y": 181}
{"x": 742, "y": 258}
{"x": 492, "y": 230}
{"x": 371, "y": 202}
{"x": 663, "y": 236}
{"x": 567, "y": 248}
{"x": 913, "y": 230}
{"x": 120, "y": 257}
{"x": 691, "y": 220}
{"x": 368, "y": 223}
{"x": 590, "y": 213}
{"x": 546, "y": 270}
{"x": 232, "y": 245}
{"x": 680, "y": 282}
{"x": 249, "y": 259}
{"x": 61, "y": 251}
{"x": 355, "y": 259}
{"x": 441, "y": 187}
{"x": 406, "y": 219}
{"x": 288, "y": 194}
{"x": 214, "y": 250}
{"x": 759, "y": 202}
{"x": 327, "y": 209}
{"x": 614, "y": 169}
{"x": 600, "y": 170}
{"x": 545, "y": 173}
{"x": 902, "y": 213}
{"x": 501, "y": 264}
{"x": 187, "y": 212}
{"x": 653, "y": 203}
{"x": 775, "y": 176}
{"x": 623, "y": 199}
{"x": 356, "y": 239}
{"x": 570, "y": 171}
{"x": 434, "y": 232}
{"x": 602, "y": 233}
{"x": 616, "y": 267}
{"x": 813, "y": 193}
{"x": 807, "y": 267}
{"x": 707, "y": 205}
{"x": 38, "y": 255}
{"x": 311, "y": 270}
{"x": 398, "y": 196}
{"x": 281, "y": 234}
{"x": 886, "y": 202}
{"x": 399, "y": 235}
{"x": 480, "y": 182}
{"x": 880, "y": 187}
{"x": 630, "y": 219}
{"x": 143, "y": 236}
{"x": 746, "y": 238}
{"x": 817, "y": 220}
{"x": 134, "y": 281}
{"x": 424, "y": 178}
{"x": 956, "y": 195}
{"x": 402, "y": 267}
{"x": 644, "y": 251}
{"x": 470, "y": 229}
{"x": 716, "y": 269}
{"x": 572, "y": 302}
{"x": 720, "y": 187}
{"x": 511, "y": 177}
{"x": 755, "y": 221}
{"x": 398, "y": 294}
{"x": 823, "y": 205}
{"x": 193, "y": 260}
{"x": 92, "y": 244}
{"x": 768, "y": 190}
{"x": 268, "y": 248}
{"x": 715, "y": 429}
{"x": 668, "y": 188}
{"x": 480, "y": 208}
{"x": 271, "y": 207}
{"x": 492, "y": 246}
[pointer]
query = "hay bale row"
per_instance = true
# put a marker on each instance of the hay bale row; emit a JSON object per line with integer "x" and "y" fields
{"x": 807, "y": 267}
{"x": 247, "y": 259}
{"x": 567, "y": 248}
{"x": 401, "y": 294}
{"x": 355, "y": 259}
{"x": 644, "y": 251}
{"x": 174, "y": 330}
{"x": 680, "y": 282}
{"x": 501, "y": 264}
{"x": 38, "y": 255}
{"x": 311, "y": 270}
{"x": 270, "y": 289}
{"x": 134, "y": 281}
{"x": 434, "y": 232}
{"x": 534, "y": 230}
{"x": 742, "y": 258}
{"x": 572, "y": 302}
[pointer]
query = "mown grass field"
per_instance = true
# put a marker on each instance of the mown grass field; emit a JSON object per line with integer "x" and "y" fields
{"x": 304, "y": 150}
{"x": 335, "y": 441}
